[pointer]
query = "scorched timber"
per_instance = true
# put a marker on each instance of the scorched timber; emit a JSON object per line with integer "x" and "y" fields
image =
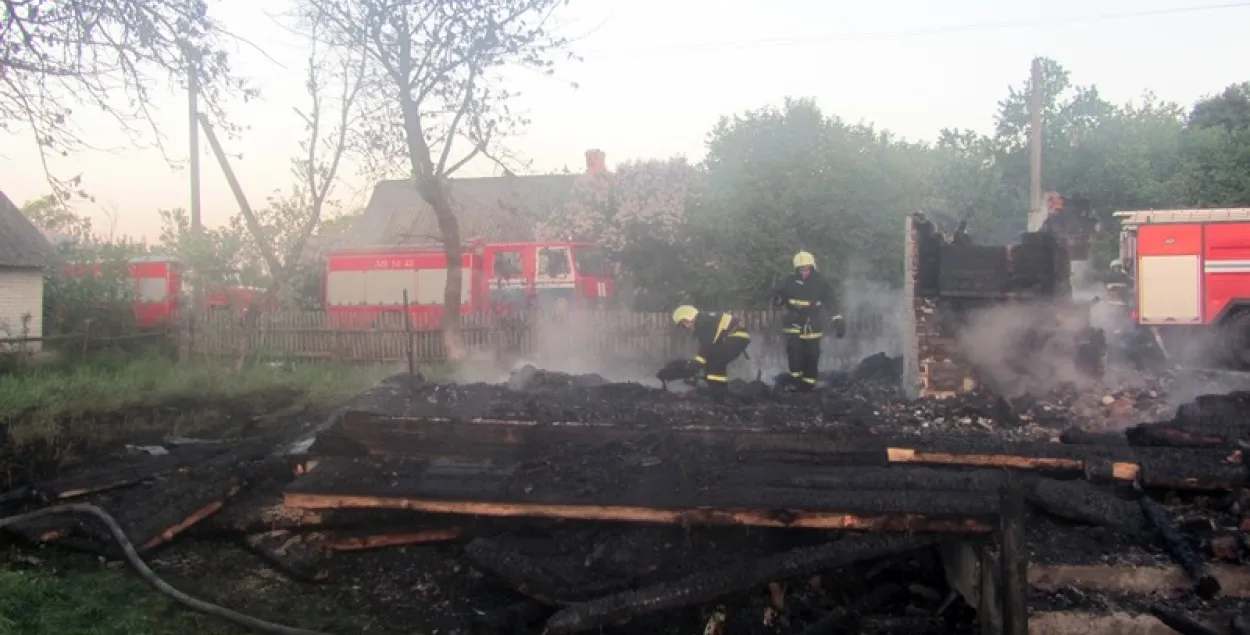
{"x": 530, "y": 578}
{"x": 1084, "y": 502}
{"x": 152, "y": 515}
{"x": 1178, "y": 545}
{"x": 672, "y": 491}
{"x": 705, "y": 587}
{"x": 420, "y": 438}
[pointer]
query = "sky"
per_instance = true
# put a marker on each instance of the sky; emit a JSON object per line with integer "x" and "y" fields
{"x": 656, "y": 75}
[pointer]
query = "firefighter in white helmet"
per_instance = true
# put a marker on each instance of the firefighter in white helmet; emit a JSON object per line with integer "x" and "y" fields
{"x": 722, "y": 339}
{"x": 807, "y": 298}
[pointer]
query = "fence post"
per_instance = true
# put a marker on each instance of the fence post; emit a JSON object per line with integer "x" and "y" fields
{"x": 412, "y": 362}
{"x": 86, "y": 336}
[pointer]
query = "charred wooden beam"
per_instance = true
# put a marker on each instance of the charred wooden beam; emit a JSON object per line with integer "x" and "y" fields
{"x": 659, "y": 493}
{"x": 908, "y": 455}
{"x": 1172, "y": 436}
{"x": 212, "y": 503}
{"x": 1180, "y": 622}
{"x": 687, "y": 516}
{"x": 1014, "y": 560}
{"x": 1177, "y": 544}
{"x": 426, "y": 437}
{"x": 529, "y": 577}
{"x": 1083, "y": 502}
{"x": 704, "y": 587}
{"x": 380, "y": 538}
{"x": 1223, "y": 472}
{"x": 899, "y": 477}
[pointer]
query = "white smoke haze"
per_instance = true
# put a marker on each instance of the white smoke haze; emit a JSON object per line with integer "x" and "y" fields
{"x": 1024, "y": 348}
{"x": 575, "y": 343}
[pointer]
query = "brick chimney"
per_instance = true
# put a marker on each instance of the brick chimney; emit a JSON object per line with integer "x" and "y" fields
{"x": 596, "y": 162}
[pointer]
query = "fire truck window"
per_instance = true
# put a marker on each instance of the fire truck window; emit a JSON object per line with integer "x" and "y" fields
{"x": 153, "y": 289}
{"x": 345, "y": 287}
{"x": 590, "y": 262}
{"x": 553, "y": 263}
{"x": 507, "y": 264}
{"x": 386, "y": 286}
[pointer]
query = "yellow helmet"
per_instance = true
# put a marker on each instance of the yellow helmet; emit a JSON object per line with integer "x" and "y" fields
{"x": 804, "y": 259}
{"x": 683, "y": 313}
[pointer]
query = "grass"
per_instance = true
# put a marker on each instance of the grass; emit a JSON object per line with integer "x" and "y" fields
{"x": 59, "y": 403}
{"x": 111, "y": 602}
{"x": 97, "y": 603}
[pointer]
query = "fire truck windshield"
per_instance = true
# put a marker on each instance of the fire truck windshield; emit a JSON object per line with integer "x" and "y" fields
{"x": 590, "y": 261}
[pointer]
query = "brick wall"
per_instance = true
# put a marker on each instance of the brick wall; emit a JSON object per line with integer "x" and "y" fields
{"x": 21, "y": 293}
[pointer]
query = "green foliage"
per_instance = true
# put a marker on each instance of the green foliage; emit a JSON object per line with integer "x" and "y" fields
{"x": 105, "y": 297}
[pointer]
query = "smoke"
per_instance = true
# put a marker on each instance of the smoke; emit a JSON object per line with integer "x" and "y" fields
{"x": 620, "y": 347}
{"x": 1027, "y": 348}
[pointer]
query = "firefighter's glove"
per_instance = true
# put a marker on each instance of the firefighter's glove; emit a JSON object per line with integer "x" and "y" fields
{"x": 839, "y": 326}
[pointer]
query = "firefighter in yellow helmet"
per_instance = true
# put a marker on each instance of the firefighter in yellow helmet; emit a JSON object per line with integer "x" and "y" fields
{"x": 807, "y": 298}
{"x": 722, "y": 339}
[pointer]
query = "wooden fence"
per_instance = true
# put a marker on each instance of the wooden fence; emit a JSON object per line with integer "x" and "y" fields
{"x": 547, "y": 338}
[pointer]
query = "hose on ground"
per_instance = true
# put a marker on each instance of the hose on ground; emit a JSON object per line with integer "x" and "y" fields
{"x": 133, "y": 559}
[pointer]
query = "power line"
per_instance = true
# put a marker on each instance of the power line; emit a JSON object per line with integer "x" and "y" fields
{"x": 940, "y": 30}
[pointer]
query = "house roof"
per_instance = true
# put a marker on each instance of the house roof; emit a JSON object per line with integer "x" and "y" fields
{"x": 21, "y": 243}
{"x": 495, "y": 209}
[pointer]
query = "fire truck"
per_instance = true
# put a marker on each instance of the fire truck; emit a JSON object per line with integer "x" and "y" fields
{"x": 156, "y": 284}
{"x": 364, "y": 283}
{"x": 1191, "y": 276}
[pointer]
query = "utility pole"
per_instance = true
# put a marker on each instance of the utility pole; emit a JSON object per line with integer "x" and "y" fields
{"x": 1037, "y": 207}
{"x": 193, "y": 150}
{"x": 193, "y": 131}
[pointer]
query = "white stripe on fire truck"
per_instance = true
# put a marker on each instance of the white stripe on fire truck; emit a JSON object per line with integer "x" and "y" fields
{"x": 1227, "y": 266}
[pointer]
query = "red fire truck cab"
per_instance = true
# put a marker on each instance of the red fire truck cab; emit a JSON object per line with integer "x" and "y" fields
{"x": 1191, "y": 274}
{"x": 364, "y": 283}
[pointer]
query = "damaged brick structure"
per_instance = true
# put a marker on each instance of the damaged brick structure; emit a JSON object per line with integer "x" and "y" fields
{"x": 947, "y": 282}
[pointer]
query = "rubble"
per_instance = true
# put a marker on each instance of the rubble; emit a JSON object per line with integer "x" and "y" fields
{"x": 565, "y": 504}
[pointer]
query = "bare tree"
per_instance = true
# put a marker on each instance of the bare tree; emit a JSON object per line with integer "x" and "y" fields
{"x": 435, "y": 72}
{"x": 106, "y": 55}
{"x": 280, "y": 231}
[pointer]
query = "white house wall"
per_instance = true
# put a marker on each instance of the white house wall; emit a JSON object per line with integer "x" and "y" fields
{"x": 21, "y": 294}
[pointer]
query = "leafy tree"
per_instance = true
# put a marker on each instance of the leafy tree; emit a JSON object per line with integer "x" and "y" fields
{"x": 785, "y": 179}
{"x": 62, "y": 56}
{"x": 638, "y": 215}
{"x": 434, "y": 77}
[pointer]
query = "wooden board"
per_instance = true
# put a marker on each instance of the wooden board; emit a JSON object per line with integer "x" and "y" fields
{"x": 649, "y": 492}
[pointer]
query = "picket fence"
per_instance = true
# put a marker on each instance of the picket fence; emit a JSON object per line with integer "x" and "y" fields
{"x": 312, "y": 336}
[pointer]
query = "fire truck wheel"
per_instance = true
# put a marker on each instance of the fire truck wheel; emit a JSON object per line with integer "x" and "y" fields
{"x": 1236, "y": 340}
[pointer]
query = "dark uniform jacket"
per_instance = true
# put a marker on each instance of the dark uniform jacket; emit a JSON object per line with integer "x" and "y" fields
{"x": 807, "y": 304}
{"x": 712, "y": 328}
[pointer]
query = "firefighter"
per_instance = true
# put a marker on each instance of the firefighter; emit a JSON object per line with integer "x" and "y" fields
{"x": 1118, "y": 282}
{"x": 807, "y": 297}
{"x": 722, "y": 338}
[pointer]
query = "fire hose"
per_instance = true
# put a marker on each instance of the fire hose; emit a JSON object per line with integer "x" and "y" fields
{"x": 150, "y": 577}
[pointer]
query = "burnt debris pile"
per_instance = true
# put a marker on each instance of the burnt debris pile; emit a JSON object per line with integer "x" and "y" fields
{"x": 562, "y": 504}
